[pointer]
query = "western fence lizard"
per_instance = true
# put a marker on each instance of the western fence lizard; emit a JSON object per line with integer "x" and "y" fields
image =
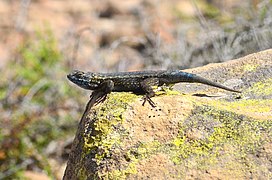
{"x": 139, "y": 82}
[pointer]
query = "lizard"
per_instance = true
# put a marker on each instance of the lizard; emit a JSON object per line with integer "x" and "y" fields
{"x": 138, "y": 82}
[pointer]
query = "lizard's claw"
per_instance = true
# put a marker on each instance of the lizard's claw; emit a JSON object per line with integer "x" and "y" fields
{"x": 98, "y": 97}
{"x": 146, "y": 98}
{"x": 101, "y": 99}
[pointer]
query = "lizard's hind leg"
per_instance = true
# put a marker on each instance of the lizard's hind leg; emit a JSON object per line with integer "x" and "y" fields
{"x": 148, "y": 89}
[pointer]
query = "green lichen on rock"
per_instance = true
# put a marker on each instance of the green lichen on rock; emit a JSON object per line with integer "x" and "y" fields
{"x": 145, "y": 149}
{"x": 103, "y": 132}
{"x": 122, "y": 174}
{"x": 108, "y": 116}
{"x": 223, "y": 135}
{"x": 134, "y": 156}
{"x": 250, "y": 67}
{"x": 82, "y": 173}
{"x": 217, "y": 133}
{"x": 259, "y": 109}
{"x": 263, "y": 88}
{"x": 227, "y": 140}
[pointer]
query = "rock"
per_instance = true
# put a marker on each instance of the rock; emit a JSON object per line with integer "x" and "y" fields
{"x": 205, "y": 133}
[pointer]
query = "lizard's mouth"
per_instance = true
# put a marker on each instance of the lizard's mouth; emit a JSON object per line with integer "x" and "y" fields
{"x": 75, "y": 76}
{"x": 79, "y": 78}
{"x": 71, "y": 78}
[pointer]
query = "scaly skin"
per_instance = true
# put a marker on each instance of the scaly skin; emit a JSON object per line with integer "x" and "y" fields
{"x": 139, "y": 82}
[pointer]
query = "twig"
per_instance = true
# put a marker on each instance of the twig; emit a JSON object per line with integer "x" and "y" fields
{"x": 76, "y": 45}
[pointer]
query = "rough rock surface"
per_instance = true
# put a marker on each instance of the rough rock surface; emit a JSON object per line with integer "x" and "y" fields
{"x": 201, "y": 133}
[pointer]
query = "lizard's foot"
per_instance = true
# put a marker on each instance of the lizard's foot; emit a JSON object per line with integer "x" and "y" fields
{"x": 146, "y": 98}
{"x": 98, "y": 97}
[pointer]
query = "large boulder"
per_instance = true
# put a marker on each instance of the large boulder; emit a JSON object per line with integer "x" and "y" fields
{"x": 195, "y": 132}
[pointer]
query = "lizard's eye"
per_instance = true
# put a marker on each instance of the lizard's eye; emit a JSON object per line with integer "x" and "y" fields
{"x": 77, "y": 73}
{"x": 80, "y": 73}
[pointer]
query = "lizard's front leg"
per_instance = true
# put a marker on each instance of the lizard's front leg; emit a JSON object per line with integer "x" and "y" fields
{"x": 103, "y": 90}
{"x": 148, "y": 89}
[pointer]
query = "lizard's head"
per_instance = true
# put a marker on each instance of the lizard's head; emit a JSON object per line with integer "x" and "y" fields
{"x": 81, "y": 79}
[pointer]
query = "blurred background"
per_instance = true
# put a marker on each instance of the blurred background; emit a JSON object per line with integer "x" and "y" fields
{"x": 41, "y": 41}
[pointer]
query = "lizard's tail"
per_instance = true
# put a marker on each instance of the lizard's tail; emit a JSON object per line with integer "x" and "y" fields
{"x": 201, "y": 80}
